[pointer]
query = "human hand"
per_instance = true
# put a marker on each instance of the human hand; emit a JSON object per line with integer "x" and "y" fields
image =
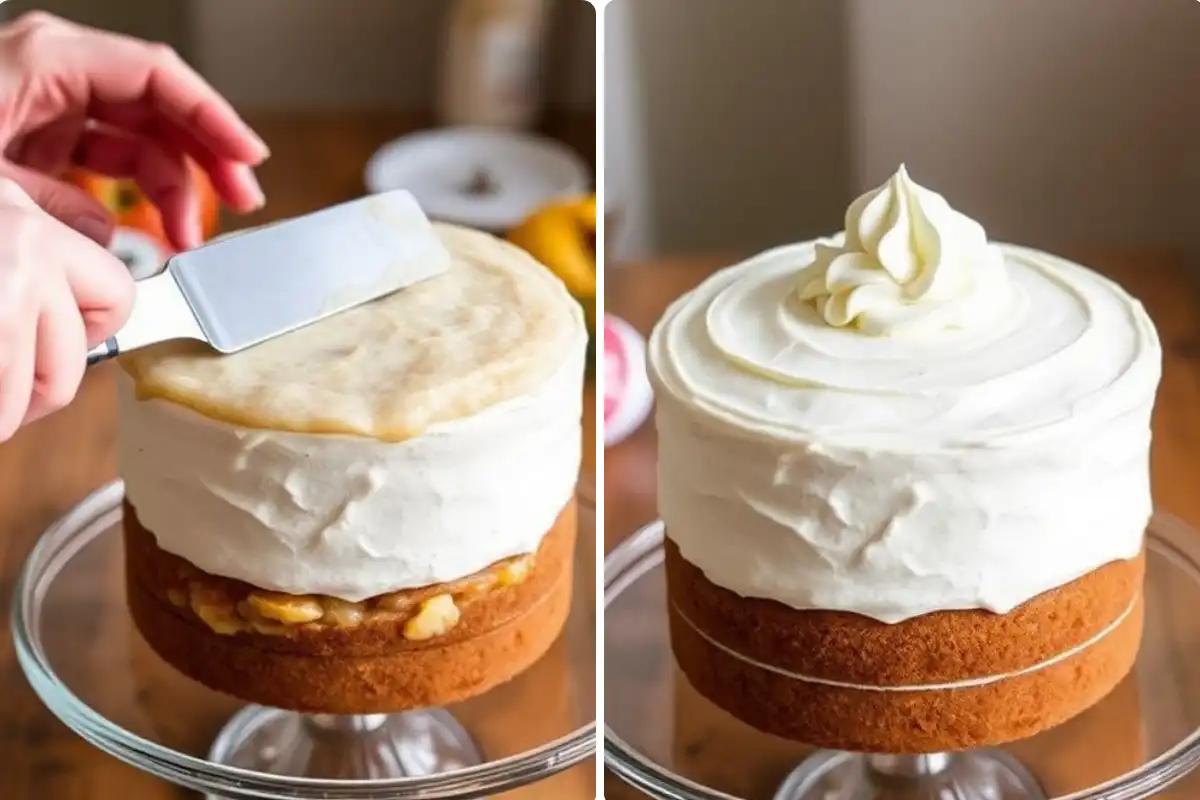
{"x": 60, "y": 295}
{"x": 119, "y": 107}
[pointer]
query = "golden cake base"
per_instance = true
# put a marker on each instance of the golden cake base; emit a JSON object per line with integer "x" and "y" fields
{"x": 939, "y": 648}
{"x": 368, "y": 668}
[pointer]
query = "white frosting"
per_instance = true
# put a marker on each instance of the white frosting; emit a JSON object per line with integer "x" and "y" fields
{"x": 972, "y": 466}
{"x": 348, "y": 516}
{"x": 909, "y": 263}
{"x": 409, "y": 441}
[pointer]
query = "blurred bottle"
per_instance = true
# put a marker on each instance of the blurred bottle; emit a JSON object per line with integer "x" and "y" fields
{"x": 492, "y": 63}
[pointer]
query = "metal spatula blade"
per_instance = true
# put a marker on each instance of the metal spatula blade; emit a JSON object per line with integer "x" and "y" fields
{"x": 241, "y": 291}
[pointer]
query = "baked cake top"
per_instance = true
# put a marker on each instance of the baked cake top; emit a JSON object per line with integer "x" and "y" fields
{"x": 495, "y": 327}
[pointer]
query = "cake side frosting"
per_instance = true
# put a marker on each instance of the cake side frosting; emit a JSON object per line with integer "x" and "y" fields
{"x": 904, "y": 418}
{"x": 496, "y": 326}
{"x": 352, "y": 515}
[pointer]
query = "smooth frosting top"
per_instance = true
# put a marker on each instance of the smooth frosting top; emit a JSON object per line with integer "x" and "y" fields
{"x": 909, "y": 331}
{"x": 493, "y": 328}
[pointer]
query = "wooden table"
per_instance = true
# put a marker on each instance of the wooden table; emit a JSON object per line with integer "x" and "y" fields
{"x": 640, "y": 293}
{"x": 53, "y": 464}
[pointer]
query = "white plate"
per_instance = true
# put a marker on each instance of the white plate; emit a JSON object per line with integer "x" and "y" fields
{"x": 141, "y": 253}
{"x": 442, "y": 167}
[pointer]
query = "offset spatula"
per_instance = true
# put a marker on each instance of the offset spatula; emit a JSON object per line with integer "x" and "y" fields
{"x": 241, "y": 291}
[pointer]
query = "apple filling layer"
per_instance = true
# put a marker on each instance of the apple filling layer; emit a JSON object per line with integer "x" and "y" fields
{"x": 425, "y": 612}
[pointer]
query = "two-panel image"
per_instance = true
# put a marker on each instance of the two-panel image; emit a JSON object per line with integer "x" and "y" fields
{"x": 561, "y": 399}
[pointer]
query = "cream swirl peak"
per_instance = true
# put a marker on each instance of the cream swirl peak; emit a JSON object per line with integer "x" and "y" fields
{"x": 909, "y": 263}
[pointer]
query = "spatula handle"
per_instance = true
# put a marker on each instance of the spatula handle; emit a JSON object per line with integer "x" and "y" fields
{"x": 103, "y": 351}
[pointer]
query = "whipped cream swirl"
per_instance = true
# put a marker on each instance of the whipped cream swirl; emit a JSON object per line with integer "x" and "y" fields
{"x": 908, "y": 263}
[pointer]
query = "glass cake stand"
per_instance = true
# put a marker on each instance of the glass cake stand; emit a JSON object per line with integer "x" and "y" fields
{"x": 84, "y": 658}
{"x": 662, "y": 737}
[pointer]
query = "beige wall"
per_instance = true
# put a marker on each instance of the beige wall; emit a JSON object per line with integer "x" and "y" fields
{"x": 160, "y": 20}
{"x": 1056, "y": 123}
{"x": 356, "y": 53}
{"x": 325, "y": 54}
{"x": 744, "y": 118}
{"x": 1073, "y": 121}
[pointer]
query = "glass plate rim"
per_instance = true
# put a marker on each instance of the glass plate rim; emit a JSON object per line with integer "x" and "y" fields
{"x": 98, "y": 512}
{"x": 626, "y": 563}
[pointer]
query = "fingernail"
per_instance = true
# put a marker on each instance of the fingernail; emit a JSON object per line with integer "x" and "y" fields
{"x": 259, "y": 198}
{"x": 256, "y": 141}
{"x": 98, "y": 229}
{"x": 264, "y": 151}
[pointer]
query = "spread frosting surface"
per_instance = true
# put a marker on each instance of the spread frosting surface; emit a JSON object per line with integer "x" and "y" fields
{"x": 480, "y": 369}
{"x": 904, "y": 418}
{"x": 493, "y": 328}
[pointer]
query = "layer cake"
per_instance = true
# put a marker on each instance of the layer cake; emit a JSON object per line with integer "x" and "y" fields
{"x": 372, "y": 513}
{"x": 904, "y": 475}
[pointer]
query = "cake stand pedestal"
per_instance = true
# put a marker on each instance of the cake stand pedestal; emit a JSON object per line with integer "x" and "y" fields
{"x": 985, "y": 775}
{"x": 81, "y": 653}
{"x": 664, "y": 738}
{"x": 358, "y": 747}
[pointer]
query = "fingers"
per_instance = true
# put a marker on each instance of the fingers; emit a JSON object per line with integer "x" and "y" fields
{"x": 101, "y": 285}
{"x": 161, "y": 174}
{"x": 233, "y": 180}
{"x": 16, "y": 369}
{"x": 158, "y": 167}
{"x": 60, "y": 294}
{"x": 49, "y": 149}
{"x": 18, "y": 309}
{"x": 35, "y": 244}
{"x": 64, "y": 202}
{"x": 68, "y": 66}
{"x": 161, "y": 83}
{"x": 69, "y": 72}
{"x": 60, "y": 353}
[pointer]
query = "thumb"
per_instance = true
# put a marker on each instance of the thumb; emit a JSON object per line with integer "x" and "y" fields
{"x": 69, "y": 204}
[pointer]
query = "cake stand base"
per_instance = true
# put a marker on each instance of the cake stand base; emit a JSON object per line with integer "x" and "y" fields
{"x": 983, "y": 775}
{"x": 76, "y": 642}
{"x": 361, "y": 747}
{"x": 667, "y": 740}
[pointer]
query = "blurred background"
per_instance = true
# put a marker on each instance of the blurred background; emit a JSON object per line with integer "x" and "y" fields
{"x": 483, "y": 108}
{"x": 329, "y": 82}
{"x": 730, "y": 127}
{"x": 734, "y": 126}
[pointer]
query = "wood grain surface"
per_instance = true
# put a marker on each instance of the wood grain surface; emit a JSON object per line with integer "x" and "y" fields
{"x": 52, "y": 465}
{"x": 709, "y": 743}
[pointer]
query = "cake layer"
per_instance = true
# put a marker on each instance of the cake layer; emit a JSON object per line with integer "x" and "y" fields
{"x": 868, "y": 718}
{"x": 385, "y": 623}
{"x": 495, "y": 328}
{"x": 393, "y": 680}
{"x": 347, "y": 516}
{"x": 904, "y": 419}
{"x": 373, "y": 666}
{"x": 938, "y": 648}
